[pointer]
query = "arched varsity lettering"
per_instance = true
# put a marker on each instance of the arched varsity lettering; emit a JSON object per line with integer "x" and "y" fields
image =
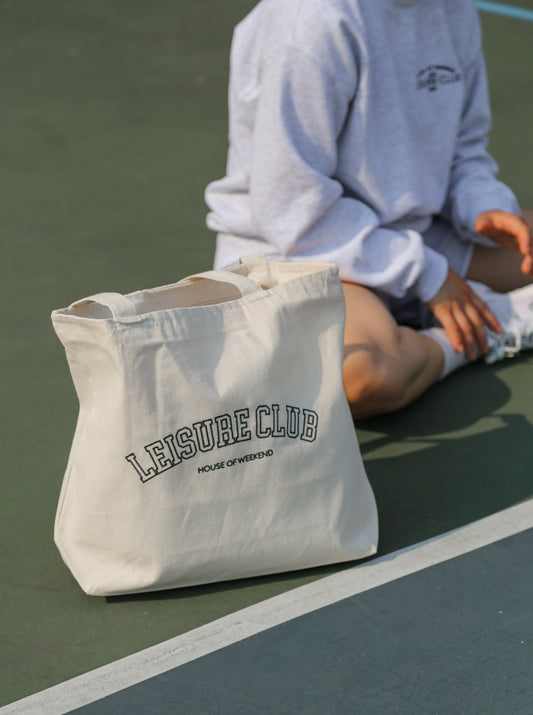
{"x": 144, "y": 475}
{"x": 186, "y": 443}
{"x": 277, "y": 431}
{"x": 172, "y": 448}
{"x": 243, "y": 432}
{"x": 156, "y": 450}
{"x": 204, "y": 435}
{"x": 261, "y": 431}
{"x": 225, "y": 434}
{"x": 293, "y": 422}
{"x": 310, "y": 425}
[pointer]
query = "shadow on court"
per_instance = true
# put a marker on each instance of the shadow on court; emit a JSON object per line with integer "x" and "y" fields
{"x": 458, "y": 454}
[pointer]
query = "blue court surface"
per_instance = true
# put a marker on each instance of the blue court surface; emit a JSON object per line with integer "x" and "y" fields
{"x": 445, "y": 626}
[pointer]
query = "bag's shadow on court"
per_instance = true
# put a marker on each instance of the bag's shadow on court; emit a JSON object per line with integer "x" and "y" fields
{"x": 456, "y": 455}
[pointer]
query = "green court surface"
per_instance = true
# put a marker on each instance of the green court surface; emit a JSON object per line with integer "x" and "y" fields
{"x": 113, "y": 121}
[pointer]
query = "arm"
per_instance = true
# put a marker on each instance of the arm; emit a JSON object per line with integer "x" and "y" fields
{"x": 300, "y": 207}
{"x": 480, "y": 207}
{"x": 298, "y": 204}
{"x": 473, "y": 187}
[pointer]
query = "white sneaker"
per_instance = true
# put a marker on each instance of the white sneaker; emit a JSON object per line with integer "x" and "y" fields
{"x": 514, "y": 310}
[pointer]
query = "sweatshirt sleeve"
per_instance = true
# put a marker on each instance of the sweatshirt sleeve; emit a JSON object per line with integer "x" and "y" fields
{"x": 299, "y": 206}
{"x": 473, "y": 186}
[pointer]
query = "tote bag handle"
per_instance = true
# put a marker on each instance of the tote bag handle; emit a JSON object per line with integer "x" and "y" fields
{"x": 119, "y": 306}
{"x": 122, "y": 307}
{"x": 243, "y": 284}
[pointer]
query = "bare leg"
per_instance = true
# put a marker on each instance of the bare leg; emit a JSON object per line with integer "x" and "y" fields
{"x": 498, "y": 268}
{"x": 386, "y": 366}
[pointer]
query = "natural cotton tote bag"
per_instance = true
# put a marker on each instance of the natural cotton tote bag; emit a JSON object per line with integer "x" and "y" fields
{"x": 214, "y": 440}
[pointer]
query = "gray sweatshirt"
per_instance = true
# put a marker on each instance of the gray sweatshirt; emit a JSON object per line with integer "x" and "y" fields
{"x": 352, "y": 123}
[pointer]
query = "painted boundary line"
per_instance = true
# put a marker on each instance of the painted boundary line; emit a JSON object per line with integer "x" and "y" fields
{"x": 170, "y": 654}
{"x": 498, "y": 8}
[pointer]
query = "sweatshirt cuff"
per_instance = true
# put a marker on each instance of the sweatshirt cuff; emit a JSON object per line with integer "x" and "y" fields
{"x": 433, "y": 276}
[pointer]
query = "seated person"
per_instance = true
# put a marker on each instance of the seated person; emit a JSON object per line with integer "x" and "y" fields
{"x": 358, "y": 135}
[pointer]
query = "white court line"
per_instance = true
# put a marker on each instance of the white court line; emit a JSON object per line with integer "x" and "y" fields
{"x": 498, "y": 8}
{"x": 235, "y": 627}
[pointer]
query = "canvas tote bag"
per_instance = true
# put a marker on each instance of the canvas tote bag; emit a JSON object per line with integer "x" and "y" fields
{"x": 214, "y": 440}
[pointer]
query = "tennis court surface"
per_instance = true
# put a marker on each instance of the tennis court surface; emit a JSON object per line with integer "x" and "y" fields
{"x": 113, "y": 122}
{"x": 444, "y": 626}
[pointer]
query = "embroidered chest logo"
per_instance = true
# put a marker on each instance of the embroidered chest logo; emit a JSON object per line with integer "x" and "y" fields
{"x": 436, "y": 76}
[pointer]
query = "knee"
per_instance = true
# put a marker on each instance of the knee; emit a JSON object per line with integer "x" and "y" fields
{"x": 372, "y": 382}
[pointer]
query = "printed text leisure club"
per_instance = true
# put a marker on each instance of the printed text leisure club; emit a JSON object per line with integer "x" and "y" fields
{"x": 268, "y": 422}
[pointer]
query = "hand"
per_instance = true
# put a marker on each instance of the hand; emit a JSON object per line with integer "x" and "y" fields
{"x": 463, "y": 316}
{"x": 508, "y": 230}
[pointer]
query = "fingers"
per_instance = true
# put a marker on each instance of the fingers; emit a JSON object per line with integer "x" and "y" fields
{"x": 520, "y": 234}
{"x": 464, "y": 328}
{"x": 453, "y": 331}
{"x": 518, "y": 228}
{"x": 491, "y": 223}
{"x": 508, "y": 230}
{"x": 486, "y": 314}
{"x": 527, "y": 265}
{"x": 474, "y": 332}
{"x": 464, "y": 316}
{"x": 470, "y": 329}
